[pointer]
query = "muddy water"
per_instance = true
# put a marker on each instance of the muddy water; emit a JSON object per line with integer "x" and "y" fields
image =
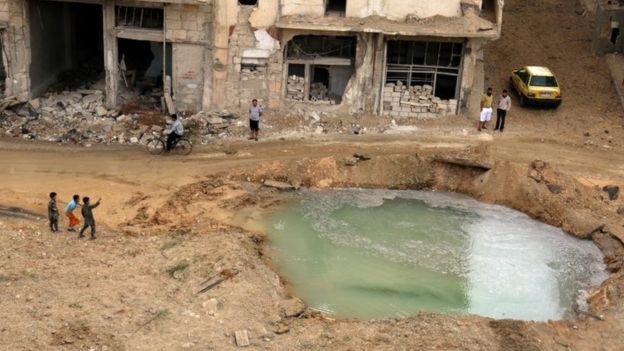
{"x": 373, "y": 254}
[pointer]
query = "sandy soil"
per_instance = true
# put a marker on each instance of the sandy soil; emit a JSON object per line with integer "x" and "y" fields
{"x": 170, "y": 226}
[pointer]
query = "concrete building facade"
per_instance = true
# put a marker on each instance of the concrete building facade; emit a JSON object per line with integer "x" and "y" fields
{"x": 387, "y": 57}
{"x": 608, "y": 36}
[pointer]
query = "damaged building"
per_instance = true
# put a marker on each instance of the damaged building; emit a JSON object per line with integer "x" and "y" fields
{"x": 110, "y": 47}
{"x": 395, "y": 58}
{"x": 608, "y": 36}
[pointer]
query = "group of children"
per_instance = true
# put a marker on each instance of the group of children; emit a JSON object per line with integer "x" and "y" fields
{"x": 86, "y": 210}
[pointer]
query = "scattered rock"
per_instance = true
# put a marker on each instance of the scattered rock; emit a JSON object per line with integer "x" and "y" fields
{"x": 620, "y": 211}
{"x": 613, "y": 191}
{"x": 581, "y": 223}
{"x": 211, "y": 306}
{"x": 536, "y": 176}
{"x": 278, "y": 185}
{"x": 538, "y": 165}
{"x": 101, "y": 111}
{"x": 242, "y": 338}
{"x": 292, "y": 308}
{"x": 554, "y": 188}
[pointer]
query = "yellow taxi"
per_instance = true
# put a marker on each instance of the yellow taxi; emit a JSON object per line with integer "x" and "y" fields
{"x": 536, "y": 85}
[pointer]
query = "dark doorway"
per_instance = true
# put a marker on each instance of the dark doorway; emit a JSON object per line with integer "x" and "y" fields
{"x": 67, "y": 50}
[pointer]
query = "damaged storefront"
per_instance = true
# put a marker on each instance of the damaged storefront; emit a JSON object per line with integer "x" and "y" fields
{"x": 155, "y": 53}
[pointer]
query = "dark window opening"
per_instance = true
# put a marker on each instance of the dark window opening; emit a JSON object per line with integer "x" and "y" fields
{"x": 248, "y": 2}
{"x": 311, "y": 46}
{"x": 296, "y": 70}
{"x": 141, "y": 64}
{"x": 336, "y": 8}
{"x": 445, "y": 87}
{"x": 66, "y": 46}
{"x": 615, "y": 33}
{"x": 319, "y": 88}
{"x": 249, "y": 67}
{"x": 139, "y": 17}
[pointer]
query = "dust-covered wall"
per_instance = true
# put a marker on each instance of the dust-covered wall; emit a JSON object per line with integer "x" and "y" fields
{"x": 399, "y": 9}
{"x": 609, "y": 29}
{"x": 391, "y": 9}
{"x": 16, "y": 56}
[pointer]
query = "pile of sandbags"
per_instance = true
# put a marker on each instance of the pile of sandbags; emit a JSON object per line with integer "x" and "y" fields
{"x": 295, "y": 88}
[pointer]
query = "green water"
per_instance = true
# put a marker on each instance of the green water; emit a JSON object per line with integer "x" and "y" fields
{"x": 374, "y": 254}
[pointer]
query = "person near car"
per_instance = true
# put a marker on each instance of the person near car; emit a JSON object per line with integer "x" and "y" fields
{"x": 255, "y": 112}
{"x": 174, "y": 133}
{"x": 502, "y": 107}
{"x": 486, "y": 109}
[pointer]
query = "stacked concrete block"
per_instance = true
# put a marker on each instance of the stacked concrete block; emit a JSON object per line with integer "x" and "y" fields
{"x": 295, "y": 88}
{"x": 188, "y": 23}
{"x": 418, "y": 101}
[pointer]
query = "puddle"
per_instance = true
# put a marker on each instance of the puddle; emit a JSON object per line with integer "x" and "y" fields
{"x": 379, "y": 253}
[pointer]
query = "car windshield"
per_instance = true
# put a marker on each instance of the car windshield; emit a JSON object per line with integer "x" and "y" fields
{"x": 543, "y": 81}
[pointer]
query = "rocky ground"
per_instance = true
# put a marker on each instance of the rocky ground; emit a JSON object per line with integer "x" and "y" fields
{"x": 182, "y": 264}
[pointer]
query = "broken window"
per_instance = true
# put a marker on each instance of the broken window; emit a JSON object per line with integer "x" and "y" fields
{"x": 435, "y": 64}
{"x": 422, "y": 78}
{"x": 139, "y": 17}
{"x": 248, "y": 2}
{"x": 319, "y": 68}
{"x": 335, "y": 8}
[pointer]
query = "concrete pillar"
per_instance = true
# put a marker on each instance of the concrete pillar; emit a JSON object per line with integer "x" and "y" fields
{"x": 110, "y": 53}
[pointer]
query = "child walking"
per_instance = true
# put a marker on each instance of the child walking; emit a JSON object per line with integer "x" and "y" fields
{"x": 53, "y": 213}
{"x": 69, "y": 212}
{"x": 87, "y": 214}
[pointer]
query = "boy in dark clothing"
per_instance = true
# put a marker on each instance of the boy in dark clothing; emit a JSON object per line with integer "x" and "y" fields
{"x": 87, "y": 214}
{"x": 53, "y": 213}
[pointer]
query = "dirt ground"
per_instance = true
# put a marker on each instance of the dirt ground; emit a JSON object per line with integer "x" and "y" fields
{"x": 171, "y": 226}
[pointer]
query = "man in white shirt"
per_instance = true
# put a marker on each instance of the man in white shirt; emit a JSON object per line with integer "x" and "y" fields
{"x": 503, "y": 105}
{"x": 175, "y": 132}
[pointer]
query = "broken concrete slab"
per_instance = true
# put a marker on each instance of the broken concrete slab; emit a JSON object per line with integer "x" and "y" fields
{"x": 242, "y": 338}
{"x": 279, "y": 185}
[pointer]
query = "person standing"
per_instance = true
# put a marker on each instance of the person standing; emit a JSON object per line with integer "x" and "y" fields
{"x": 486, "y": 110}
{"x": 174, "y": 133}
{"x": 87, "y": 214}
{"x": 69, "y": 212}
{"x": 53, "y": 213}
{"x": 503, "y": 106}
{"x": 255, "y": 112}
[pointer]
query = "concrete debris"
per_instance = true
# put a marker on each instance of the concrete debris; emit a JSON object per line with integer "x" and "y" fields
{"x": 613, "y": 191}
{"x": 417, "y": 101}
{"x": 242, "y": 338}
{"x": 320, "y": 93}
{"x": 295, "y": 88}
{"x": 279, "y": 185}
{"x": 554, "y": 188}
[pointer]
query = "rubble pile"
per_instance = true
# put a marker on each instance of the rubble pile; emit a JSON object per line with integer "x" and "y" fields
{"x": 80, "y": 117}
{"x": 295, "y": 88}
{"x": 418, "y": 101}
{"x": 319, "y": 93}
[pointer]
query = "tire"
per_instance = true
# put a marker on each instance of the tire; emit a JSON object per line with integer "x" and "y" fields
{"x": 523, "y": 102}
{"x": 183, "y": 147}
{"x": 155, "y": 147}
